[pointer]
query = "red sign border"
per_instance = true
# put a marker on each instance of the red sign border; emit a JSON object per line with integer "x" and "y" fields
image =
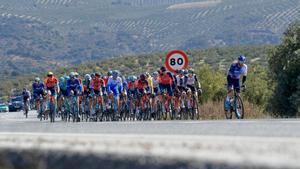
{"x": 182, "y": 53}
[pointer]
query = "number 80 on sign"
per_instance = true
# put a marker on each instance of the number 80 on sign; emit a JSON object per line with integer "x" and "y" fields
{"x": 176, "y": 60}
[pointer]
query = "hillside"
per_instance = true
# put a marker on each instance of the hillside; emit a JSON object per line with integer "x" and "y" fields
{"x": 68, "y": 32}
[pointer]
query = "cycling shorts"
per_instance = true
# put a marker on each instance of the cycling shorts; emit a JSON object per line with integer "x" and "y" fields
{"x": 233, "y": 84}
{"x": 167, "y": 88}
{"x": 37, "y": 94}
{"x": 52, "y": 90}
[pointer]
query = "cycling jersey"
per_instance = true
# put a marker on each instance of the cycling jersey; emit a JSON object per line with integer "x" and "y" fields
{"x": 63, "y": 85}
{"x": 131, "y": 85}
{"x": 81, "y": 86}
{"x": 142, "y": 85}
{"x": 73, "y": 85}
{"x": 86, "y": 85}
{"x": 26, "y": 95}
{"x": 166, "y": 79}
{"x": 97, "y": 84}
{"x": 150, "y": 84}
{"x": 38, "y": 89}
{"x": 236, "y": 71}
{"x": 181, "y": 80}
{"x": 105, "y": 78}
{"x": 51, "y": 82}
{"x": 114, "y": 85}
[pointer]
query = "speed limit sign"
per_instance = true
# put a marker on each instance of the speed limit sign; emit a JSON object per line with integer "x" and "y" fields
{"x": 176, "y": 60}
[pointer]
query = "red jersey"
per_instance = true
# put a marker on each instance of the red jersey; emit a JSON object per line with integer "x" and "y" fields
{"x": 165, "y": 79}
{"x": 97, "y": 83}
{"x": 142, "y": 84}
{"x": 131, "y": 85}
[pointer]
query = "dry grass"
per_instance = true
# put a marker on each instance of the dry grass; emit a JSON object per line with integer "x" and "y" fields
{"x": 215, "y": 111}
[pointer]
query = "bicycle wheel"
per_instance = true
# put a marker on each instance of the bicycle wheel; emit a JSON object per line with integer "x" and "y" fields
{"x": 196, "y": 109}
{"x": 228, "y": 113}
{"x": 239, "y": 108}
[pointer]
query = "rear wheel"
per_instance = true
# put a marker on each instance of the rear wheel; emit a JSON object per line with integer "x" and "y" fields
{"x": 239, "y": 108}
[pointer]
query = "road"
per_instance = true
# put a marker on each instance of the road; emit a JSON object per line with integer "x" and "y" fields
{"x": 224, "y": 144}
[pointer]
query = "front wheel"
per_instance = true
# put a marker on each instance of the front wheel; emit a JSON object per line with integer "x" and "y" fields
{"x": 228, "y": 113}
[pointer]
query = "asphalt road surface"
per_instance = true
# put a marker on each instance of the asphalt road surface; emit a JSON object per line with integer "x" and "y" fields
{"x": 194, "y": 144}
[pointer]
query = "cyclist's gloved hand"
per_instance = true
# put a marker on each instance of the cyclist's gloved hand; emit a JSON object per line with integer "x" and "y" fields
{"x": 200, "y": 91}
{"x": 243, "y": 87}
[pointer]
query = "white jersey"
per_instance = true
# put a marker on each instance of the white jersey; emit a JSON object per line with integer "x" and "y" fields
{"x": 155, "y": 83}
{"x": 191, "y": 80}
{"x": 181, "y": 81}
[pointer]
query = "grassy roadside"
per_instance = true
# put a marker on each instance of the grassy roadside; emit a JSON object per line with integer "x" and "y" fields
{"x": 215, "y": 111}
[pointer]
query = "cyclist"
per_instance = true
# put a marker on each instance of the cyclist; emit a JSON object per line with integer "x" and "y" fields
{"x": 87, "y": 87}
{"x": 38, "y": 89}
{"x": 62, "y": 91}
{"x": 142, "y": 86}
{"x": 26, "y": 97}
{"x": 155, "y": 82}
{"x": 51, "y": 83}
{"x": 166, "y": 81}
{"x": 131, "y": 83}
{"x": 193, "y": 83}
{"x": 114, "y": 85}
{"x": 237, "y": 69}
{"x": 181, "y": 80}
{"x": 80, "y": 80}
{"x": 73, "y": 86}
{"x": 97, "y": 86}
{"x": 149, "y": 79}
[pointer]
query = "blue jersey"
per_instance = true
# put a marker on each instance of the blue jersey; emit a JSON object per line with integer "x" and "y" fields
{"x": 73, "y": 84}
{"x": 38, "y": 87}
{"x": 63, "y": 85}
{"x": 236, "y": 71}
{"x": 114, "y": 85}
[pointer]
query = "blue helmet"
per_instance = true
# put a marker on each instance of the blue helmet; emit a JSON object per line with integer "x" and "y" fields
{"x": 115, "y": 73}
{"x": 242, "y": 58}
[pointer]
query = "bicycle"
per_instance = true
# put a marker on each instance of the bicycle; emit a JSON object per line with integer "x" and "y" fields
{"x": 74, "y": 107}
{"x": 236, "y": 106}
{"x": 26, "y": 108}
{"x": 51, "y": 106}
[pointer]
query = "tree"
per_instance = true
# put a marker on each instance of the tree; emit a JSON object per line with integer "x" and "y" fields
{"x": 284, "y": 65}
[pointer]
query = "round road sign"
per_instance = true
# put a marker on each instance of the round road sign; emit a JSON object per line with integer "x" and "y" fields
{"x": 176, "y": 60}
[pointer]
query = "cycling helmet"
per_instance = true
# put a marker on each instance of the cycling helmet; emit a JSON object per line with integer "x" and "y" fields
{"x": 191, "y": 71}
{"x": 163, "y": 69}
{"x": 37, "y": 79}
{"x": 147, "y": 74}
{"x": 97, "y": 74}
{"x": 181, "y": 72}
{"x": 155, "y": 74}
{"x": 87, "y": 76}
{"x": 185, "y": 72}
{"x": 115, "y": 73}
{"x": 76, "y": 74}
{"x": 134, "y": 78}
{"x": 72, "y": 75}
{"x": 61, "y": 79}
{"x": 143, "y": 77}
{"x": 109, "y": 73}
{"x": 50, "y": 74}
{"x": 242, "y": 58}
{"x": 66, "y": 77}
